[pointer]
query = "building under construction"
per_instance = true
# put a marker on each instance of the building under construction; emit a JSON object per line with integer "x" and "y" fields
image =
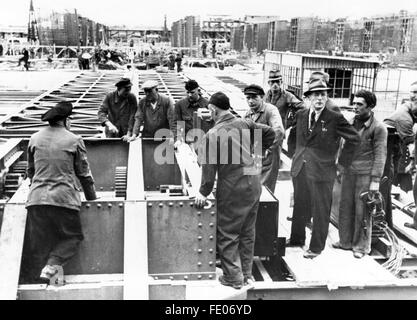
{"x": 70, "y": 29}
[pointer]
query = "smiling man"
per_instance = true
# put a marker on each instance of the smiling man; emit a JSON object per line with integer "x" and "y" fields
{"x": 364, "y": 174}
{"x": 314, "y": 165}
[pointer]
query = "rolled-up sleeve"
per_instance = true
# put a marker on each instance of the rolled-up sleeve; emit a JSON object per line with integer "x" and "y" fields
{"x": 208, "y": 161}
{"x": 31, "y": 163}
{"x": 275, "y": 121}
{"x": 380, "y": 152}
{"x": 138, "y": 117}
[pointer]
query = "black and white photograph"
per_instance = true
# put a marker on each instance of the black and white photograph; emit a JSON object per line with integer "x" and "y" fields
{"x": 208, "y": 151}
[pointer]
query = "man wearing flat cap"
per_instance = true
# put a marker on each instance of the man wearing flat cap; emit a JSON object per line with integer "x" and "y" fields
{"x": 57, "y": 158}
{"x": 184, "y": 111}
{"x": 284, "y": 100}
{"x": 265, "y": 113}
{"x": 226, "y": 150}
{"x": 313, "y": 166}
{"x": 155, "y": 111}
{"x": 117, "y": 111}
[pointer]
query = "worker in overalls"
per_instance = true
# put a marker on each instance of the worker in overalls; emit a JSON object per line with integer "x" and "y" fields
{"x": 226, "y": 150}
{"x": 265, "y": 113}
{"x": 57, "y": 165}
{"x": 363, "y": 175}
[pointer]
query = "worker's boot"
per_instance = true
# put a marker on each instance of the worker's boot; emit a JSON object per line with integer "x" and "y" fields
{"x": 53, "y": 274}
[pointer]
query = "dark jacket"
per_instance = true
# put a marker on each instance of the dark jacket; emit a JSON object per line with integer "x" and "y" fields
{"x": 318, "y": 150}
{"x": 56, "y": 158}
{"x": 162, "y": 117}
{"x": 184, "y": 110}
{"x": 285, "y": 102}
{"x": 403, "y": 120}
{"x": 118, "y": 111}
{"x": 229, "y": 172}
{"x": 370, "y": 157}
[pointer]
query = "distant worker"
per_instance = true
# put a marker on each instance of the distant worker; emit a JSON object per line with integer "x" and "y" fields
{"x": 284, "y": 100}
{"x": 24, "y": 59}
{"x": 238, "y": 187}
{"x": 204, "y": 49}
{"x": 178, "y": 61}
{"x": 56, "y": 159}
{"x": 184, "y": 111}
{"x": 117, "y": 111}
{"x": 400, "y": 154}
{"x": 363, "y": 175}
{"x": 155, "y": 111}
{"x": 313, "y": 167}
{"x": 265, "y": 113}
{"x": 213, "y": 48}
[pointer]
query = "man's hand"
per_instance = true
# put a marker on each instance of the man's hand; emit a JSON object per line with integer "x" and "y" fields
{"x": 111, "y": 127}
{"x": 374, "y": 186}
{"x": 126, "y": 137}
{"x": 132, "y": 138}
{"x": 200, "y": 200}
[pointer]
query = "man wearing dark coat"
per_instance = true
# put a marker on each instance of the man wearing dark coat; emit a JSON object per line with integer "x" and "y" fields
{"x": 226, "y": 150}
{"x": 314, "y": 166}
{"x": 57, "y": 158}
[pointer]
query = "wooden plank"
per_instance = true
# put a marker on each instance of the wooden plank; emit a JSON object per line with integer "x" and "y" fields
{"x": 335, "y": 268}
{"x": 398, "y": 220}
{"x": 11, "y": 247}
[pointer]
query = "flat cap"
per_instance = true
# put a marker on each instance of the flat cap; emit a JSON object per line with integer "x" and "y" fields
{"x": 61, "y": 111}
{"x": 254, "y": 89}
{"x": 123, "y": 82}
{"x": 149, "y": 84}
{"x": 220, "y": 100}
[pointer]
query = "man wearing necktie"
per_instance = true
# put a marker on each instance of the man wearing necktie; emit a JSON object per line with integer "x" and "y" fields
{"x": 314, "y": 165}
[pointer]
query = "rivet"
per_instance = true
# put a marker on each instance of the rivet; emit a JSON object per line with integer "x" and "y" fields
{"x": 199, "y": 213}
{"x": 200, "y": 225}
{"x": 213, "y": 213}
{"x": 101, "y": 188}
{"x": 170, "y": 204}
{"x": 199, "y": 237}
{"x": 181, "y": 204}
{"x": 150, "y": 204}
{"x": 161, "y": 204}
{"x": 211, "y": 224}
{"x": 120, "y": 204}
{"x": 210, "y": 263}
{"x": 156, "y": 278}
{"x": 199, "y": 250}
{"x": 211, "y": 237}
{"x": 210, "y": 250}
{"x": 185, "y": 277}
{"x": 210, "y": 276}
{"x": 110, "y": 205}
{"x": 191, "y": 204}
{"x": 199, "y": 264}
{"x": 87, "y": 205}
{"x": 171, "y": 278}
{"x": 200, "y": 276}
{"x": 98, "y": 205}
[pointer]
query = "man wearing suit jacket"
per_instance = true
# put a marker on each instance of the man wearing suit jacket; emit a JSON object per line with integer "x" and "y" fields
{"x": 314, "y": 165}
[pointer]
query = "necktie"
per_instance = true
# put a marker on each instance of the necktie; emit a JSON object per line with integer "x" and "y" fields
{"x": 312, "y": 120}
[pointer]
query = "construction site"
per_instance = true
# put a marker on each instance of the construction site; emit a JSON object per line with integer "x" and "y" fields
{"x": 144, "y": 237}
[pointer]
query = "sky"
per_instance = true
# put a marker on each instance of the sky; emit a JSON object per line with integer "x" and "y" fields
{"x": 151, "y": 13}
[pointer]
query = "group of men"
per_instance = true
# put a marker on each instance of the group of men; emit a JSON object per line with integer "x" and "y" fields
{"x": 325, "y": 146}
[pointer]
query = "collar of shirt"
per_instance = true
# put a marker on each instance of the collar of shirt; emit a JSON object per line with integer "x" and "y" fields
{"x": 318, "y": 113}
{"x": 193, "y": 103}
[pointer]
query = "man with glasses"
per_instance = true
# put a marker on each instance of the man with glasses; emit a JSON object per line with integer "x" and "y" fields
{"x": 117, "y": 111}
{"x": 313, "y": 167}
{"x": 184, "y": 110}
{"x": 363, "y": 175}
{"x": 155, "y": 112}
{"x": 265, "y": 113}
